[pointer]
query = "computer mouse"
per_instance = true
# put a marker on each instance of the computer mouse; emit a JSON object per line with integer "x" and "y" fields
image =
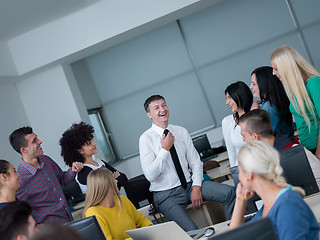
{"x": 209, "y": 231}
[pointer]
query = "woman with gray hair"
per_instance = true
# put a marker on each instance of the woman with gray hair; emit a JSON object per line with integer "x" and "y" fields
{"x": 261, "y": 173}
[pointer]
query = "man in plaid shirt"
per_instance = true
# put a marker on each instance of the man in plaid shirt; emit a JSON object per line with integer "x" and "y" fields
{"x": 41, "y": 178}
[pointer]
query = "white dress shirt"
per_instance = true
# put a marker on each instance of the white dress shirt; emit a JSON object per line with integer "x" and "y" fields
{"x": 157, "y": 164}
{"x": 233, "y": 139}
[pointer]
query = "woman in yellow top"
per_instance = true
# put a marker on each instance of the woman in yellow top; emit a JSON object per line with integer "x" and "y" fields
{"x": 115, "y": 213}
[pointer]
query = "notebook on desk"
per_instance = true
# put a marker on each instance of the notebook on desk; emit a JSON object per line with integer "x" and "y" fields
{"x": 168, "y": 231}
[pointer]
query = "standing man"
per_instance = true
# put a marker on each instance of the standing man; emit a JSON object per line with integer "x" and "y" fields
{"x": 166, "y": 157}
{"x": 41, "y": 178}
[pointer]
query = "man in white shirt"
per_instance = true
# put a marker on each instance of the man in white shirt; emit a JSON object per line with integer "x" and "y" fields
{"x": 170, "y": 194}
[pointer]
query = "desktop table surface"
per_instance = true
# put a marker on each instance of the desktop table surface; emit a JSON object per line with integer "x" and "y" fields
{"x": 313, "y": 202}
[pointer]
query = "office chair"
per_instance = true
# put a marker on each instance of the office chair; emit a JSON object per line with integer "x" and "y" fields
{"x": 73, "y": 193}
{"x": 137, "y": 190}
{"x": 88, "y": 228}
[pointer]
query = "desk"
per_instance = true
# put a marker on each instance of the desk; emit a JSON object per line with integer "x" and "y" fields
{"x": 313, "y": 202}
{"x": 221, "y": 157}
{"x": 223, "y": 170}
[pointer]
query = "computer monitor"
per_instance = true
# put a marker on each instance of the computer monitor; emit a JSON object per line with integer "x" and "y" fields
{"x": 201, "y": 143}
{"x": 297, "y": 170}
{"x": 261, "y": 229}
{"x": 88, "y": 228}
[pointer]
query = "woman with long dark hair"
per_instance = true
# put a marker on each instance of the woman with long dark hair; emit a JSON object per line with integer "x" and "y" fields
{"x": 239, "y": 98}
{"x": 9, "y": 183}
{"x": 269, "y": 89}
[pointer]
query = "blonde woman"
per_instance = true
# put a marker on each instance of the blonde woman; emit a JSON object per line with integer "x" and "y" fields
{"x": 260, "y": 172}
{"x": 115, "y": 213}
{"x": 302, "y": 85}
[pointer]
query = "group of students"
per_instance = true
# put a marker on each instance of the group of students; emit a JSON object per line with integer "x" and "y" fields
{"x": 290, "y": 86}
{"x": 254, "y": 133}
{"x": 36, "y": 186}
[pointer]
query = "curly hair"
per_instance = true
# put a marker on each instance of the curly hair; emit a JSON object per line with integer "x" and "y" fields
{"x": 72, "y": 141}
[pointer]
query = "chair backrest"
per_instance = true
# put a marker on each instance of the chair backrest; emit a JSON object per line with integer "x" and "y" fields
{"x": 137, "y": 190}
{"x": 88, "y": 228}
{"x": 261, "y": 229}
{"x": 297, "y": 170}
{"x": 73, "y": 193}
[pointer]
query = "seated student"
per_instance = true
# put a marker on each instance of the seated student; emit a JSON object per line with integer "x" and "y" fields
{"x": 9, "y": 183}
{"x": 256, "y": 125}
{"x": 16, "y": 222}
{"x": 115, "y": 213}
{"x": 260, "y": 173}
{"x": 77, "y": 146}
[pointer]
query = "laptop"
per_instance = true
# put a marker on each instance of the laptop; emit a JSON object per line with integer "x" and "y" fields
{"x": 203, "y": 147}
{"x": 261, "y": 229}
{"x": 168, "y": 231}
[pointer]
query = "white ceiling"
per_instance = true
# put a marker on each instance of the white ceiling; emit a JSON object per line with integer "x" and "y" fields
{"x": 20, "y": 16}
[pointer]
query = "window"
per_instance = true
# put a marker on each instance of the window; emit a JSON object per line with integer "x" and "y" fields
{"x": 102, "y": 135}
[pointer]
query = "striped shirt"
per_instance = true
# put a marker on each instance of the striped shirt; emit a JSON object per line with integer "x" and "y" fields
{"x": 41, "y": 188}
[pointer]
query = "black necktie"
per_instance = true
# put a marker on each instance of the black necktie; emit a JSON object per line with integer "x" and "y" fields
{"x": 176, "y": 163}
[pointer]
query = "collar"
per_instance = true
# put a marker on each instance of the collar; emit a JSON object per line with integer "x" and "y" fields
{"x": 160, "y": 130}
{"x": 31, "y": 169}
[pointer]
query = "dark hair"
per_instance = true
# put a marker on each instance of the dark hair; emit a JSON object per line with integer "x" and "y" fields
{"x": 73, "y": 139}
{"x": 53, "y": 231}
{"x": 272, "y": 90}
{"x": 14, "y": 219}
{"x": 4, "y": 166}
{"x": 257, "y": 121}
{"x": 17, "y": 138}
{"x": 241, "y": 94}
{"x": 150, "y": 100}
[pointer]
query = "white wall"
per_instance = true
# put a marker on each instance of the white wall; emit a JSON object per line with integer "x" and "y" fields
{"x": 50, "y": 107}
{"x": 88, "y": 27}
{"x": 13, "y": 116}
{"x": 7, "y": 66}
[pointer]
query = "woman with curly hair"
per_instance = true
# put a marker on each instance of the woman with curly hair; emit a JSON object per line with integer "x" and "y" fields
{"x": 77, "y": 146}
{"x": 269, "y": 89}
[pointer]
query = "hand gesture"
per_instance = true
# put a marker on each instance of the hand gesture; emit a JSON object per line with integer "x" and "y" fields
{"x": 76, "y": 166}
{"x": 242, "y": 193}
{"x": 167, "y": 141}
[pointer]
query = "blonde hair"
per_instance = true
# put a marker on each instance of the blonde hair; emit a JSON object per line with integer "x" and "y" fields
{"x": 262, "y": 159}
{"x": 99, "y": 182}
{"x": 295, "y": 71}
